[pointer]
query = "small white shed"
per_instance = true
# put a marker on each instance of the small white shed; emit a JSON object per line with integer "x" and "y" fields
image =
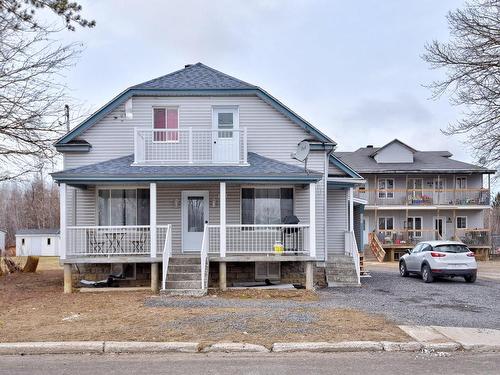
{"x": 40, "y": 242}
{"x": 2, "y": 240}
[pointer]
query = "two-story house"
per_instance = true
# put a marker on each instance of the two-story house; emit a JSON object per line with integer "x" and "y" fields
{"x": 197, "y": 178}
{"x": 413, "y": 195}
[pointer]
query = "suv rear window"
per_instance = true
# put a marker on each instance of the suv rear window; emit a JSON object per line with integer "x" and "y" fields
{"x": 452, "y": 248}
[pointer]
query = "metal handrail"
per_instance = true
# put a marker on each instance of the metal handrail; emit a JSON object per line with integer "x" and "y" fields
{"x": 204, "y": 255}
{"x": 167, "y": 253}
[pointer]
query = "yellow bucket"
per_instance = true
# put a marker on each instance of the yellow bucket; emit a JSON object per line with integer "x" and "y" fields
{"x": 278, "y": 248}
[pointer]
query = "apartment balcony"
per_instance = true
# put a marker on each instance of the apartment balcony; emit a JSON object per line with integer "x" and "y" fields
{"x": 190, "y": 146}
{"x": 425, "y": 197}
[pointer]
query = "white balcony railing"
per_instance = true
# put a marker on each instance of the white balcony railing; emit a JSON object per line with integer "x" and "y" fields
{"x": 351, "y": 249}
{"x": 190, "y": 146}
{"x": 244, "y": 239}
{"x": 113, "y": 240}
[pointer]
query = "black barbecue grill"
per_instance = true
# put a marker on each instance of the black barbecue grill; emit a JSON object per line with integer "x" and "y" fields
{"x": 290, "y": 236}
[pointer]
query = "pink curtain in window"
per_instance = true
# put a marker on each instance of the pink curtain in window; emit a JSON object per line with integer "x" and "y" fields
{"x": 172, "y": 123}
{"x": 159, "y": 123}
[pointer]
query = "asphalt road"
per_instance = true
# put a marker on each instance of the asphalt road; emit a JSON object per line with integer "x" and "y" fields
{"x": 446, "y": 302}
{"x": 276, "y": 364}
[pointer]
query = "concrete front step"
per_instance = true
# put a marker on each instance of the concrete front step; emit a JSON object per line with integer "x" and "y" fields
{"x": 184, "y": 260}
{"x": 183, "y": 276}
{"x": 183, "y": 292}
{"x": 335, "y": 284}
{"x": 184, "y": 268}
{"x": 184, "y": 284}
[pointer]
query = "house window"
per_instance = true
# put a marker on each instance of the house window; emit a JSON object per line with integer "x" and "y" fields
{"x": 165, "y": 121}
{"x": 461, "y": 222}
{"x": 386, "y": 188}
{"x": 461, "y": 183}
{"x": 385, "y": 223}
{"x": 123, "y": 206}
{"x": 48, "y": 241}
{"x": 414, "y": 226}
{"x": 266, "y": 205}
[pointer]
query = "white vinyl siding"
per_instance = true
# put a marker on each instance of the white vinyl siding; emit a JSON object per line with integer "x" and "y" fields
{"x": 269, "y": 132}
{"x": 337, "y": 220}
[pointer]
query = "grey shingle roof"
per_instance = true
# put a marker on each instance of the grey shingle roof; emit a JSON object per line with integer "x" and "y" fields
{"x": 195, "y": 77}
{"x": 122, "y": 169}
{"x": 38, "y": 231}
{"x": 362, "y": 161}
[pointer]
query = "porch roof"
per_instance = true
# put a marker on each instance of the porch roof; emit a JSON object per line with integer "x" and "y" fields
{"x": 259, "y": 168}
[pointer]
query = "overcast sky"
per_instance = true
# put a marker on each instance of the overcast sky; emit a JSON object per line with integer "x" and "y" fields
{"x": 352, "y": 68}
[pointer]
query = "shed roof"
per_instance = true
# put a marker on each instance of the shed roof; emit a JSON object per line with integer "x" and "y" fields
{"x": 37, "y": 231}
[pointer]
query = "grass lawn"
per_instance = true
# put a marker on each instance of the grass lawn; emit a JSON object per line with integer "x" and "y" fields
{"x": 33, "y": 308}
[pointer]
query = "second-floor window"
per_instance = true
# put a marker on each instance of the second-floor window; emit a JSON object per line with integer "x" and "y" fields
{"x": 414, "y": 226}
{"x": 386, "y": 188}
{"x": 165, "y": 122}
{"x": 461, "y": 222}
{"x": 461, "y": 183}
{"x": 386, "y": 223}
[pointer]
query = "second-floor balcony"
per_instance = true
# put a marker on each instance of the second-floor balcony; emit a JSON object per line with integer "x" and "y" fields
{"x": 424, "y": 197}
{"x": 190, "y": 146}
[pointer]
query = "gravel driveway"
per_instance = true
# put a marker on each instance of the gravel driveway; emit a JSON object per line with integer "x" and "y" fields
{"x": 446, "y": 302}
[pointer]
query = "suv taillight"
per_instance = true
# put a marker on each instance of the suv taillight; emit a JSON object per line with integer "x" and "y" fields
{"x": 437, "y": 255}
{"x": 471, "y": 254}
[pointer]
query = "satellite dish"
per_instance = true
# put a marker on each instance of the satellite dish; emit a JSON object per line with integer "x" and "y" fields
{"x": 302, "y": 152}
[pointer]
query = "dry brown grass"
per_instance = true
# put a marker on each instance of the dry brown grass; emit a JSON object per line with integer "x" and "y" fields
{"x": 33, "y": 308}
{"x": 294, "y": 295}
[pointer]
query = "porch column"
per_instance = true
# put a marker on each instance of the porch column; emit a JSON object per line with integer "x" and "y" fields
{"x": 222, "y": 276}
{"x": 68, "y": 286}
{"x": 309, "y": 276}
{"x": 155, "y": 278}
{"x": 62, "y": 221}
{"x": 152, "y": 218}
{"x": 312, "y": 219}
{"x": 222, "y": 231}
{"x": 351, "y": 209}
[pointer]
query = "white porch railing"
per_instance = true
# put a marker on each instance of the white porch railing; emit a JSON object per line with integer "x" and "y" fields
{"x": 167, "y": 253}
{"x": 190, "y": 146}
{"x": 250, "y": 239}
{"x": 351, "y": 249}
{"x": 204, "y": 256}
{"x": 112, "y": 240}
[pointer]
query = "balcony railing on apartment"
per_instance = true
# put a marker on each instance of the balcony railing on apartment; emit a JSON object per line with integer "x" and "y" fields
{"x": 424, "y": 197}
{"x": 190, "y": 146}
{"x": 402, "y": 237}
{"x": 241, "y": 239}
{"x": 474, "y": 237}
{"x": 107, "y": 241}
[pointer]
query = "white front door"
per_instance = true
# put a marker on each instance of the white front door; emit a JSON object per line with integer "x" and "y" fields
{"x": 439, "y": 191}
{"x": 225, "y": 137}
{"x": 439, "y": 226}
{"x": 194, "y": 217}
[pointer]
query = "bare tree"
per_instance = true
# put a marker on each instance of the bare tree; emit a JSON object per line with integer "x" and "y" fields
{"x": 471, "y": 59}
{"x": 32, "y": 90}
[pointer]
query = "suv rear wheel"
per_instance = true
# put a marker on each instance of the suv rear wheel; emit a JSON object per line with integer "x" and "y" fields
{"x": 403, "y": 271}
{"x": 470, "y": 278}
{"x": 427, "y": 274}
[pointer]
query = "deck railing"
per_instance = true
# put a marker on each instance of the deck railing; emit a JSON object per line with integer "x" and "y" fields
{"x": 190, "y": 146}
{"x": 243, "y": 239}
{"x": 474, "y": 237}
{"x": 407, "y": 236}
{"x": 424, "y": 197}
{"x": 113, "y": 240}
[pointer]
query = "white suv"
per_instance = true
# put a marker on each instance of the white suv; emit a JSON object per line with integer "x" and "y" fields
{"x": 432, "y": 259}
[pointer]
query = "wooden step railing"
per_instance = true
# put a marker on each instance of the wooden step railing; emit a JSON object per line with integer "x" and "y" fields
{"x": 376, "y": 247}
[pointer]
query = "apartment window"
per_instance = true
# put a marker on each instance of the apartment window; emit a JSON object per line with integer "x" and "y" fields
{"x": 414, "y": 226}
{"x": 165, "y": 120}
{"x": 123, "y": 206}
{"x": 386, "y": 223}
{"x": 461, "y": 222}
{"x": 461, "y": 183}
{"x": 266, "y": 205}
{"x": 386, "y": 188}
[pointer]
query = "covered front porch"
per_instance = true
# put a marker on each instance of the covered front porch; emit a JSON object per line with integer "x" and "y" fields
{"x": 165, "y": 220}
